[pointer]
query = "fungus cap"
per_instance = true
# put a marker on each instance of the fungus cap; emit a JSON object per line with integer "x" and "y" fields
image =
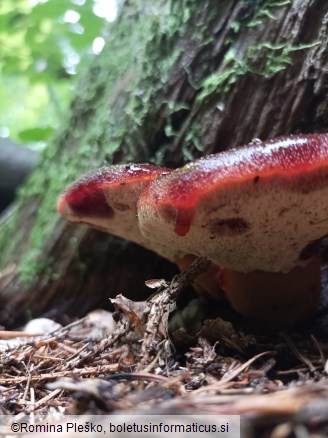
{"x": 258, "y": 207}
{"x": 106, "y": 199}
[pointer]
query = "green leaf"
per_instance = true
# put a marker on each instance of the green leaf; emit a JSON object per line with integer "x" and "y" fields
{"x": 52, "y": 9}
{"x": 35, "y": 134}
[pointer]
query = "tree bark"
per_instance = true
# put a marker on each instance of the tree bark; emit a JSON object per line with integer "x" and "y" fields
{"x": 172, "y": 85}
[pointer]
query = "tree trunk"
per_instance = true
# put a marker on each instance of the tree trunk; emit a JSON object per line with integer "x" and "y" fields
{"x": 173, "y": 83}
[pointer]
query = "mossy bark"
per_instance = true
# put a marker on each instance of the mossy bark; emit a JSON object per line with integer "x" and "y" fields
{"x": 173, "y": 83}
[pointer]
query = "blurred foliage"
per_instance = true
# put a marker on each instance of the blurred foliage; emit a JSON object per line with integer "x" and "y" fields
{"x": 42, "y": 45}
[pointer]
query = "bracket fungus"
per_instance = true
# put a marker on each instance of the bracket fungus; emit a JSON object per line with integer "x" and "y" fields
{"x": 106, "y": 199}
{"x": 257, "y": 213}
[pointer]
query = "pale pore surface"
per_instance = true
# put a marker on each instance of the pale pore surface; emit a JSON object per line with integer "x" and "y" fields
{"x": 247, "y": 227}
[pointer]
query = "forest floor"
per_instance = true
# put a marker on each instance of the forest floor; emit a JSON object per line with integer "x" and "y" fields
{"x": 278, "y": 383}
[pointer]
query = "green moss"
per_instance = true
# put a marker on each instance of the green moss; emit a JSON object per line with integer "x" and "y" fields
{"x": 264, "y": 60}
{"x": 265, "y": 9}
